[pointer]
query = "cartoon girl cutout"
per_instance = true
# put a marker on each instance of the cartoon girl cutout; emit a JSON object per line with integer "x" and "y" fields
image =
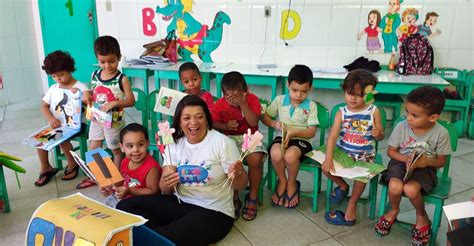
{"x": 372, "y": 31}
{"x": 409, "y": 27}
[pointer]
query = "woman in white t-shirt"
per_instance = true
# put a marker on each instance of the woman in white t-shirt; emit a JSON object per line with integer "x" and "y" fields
{"x": 205, "y": 159}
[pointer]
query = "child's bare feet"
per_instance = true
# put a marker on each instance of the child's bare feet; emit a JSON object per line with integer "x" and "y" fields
{"x": 422, "y": 220}
{"x": 350, "y": 212}
{"x": 391, "y": 215}
{"x": 279, "y": 196}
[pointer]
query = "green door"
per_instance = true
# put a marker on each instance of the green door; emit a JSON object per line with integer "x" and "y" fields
{"x": 70, "y": 25}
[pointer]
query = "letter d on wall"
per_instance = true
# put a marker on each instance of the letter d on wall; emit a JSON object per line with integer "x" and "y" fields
{"x": 288, "y": 16}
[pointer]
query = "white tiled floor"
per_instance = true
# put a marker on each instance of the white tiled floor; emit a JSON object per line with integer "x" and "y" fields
{"x": 273, "y": 226}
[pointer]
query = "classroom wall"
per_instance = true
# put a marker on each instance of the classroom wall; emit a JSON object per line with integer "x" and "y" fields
{"x": 327, "y": 36}
{"x": 19, "y": 64}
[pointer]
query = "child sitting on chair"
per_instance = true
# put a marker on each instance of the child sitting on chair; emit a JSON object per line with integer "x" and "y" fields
{"x": 190, "y": 76}
{"x": 355, "y": 128}
{"x": 60, "y": 66}
{"x": 423, "y": 107}
{"x": 298, "y": 115}
{"x": 237, "y": 111}
{"x": 141, "y": 173}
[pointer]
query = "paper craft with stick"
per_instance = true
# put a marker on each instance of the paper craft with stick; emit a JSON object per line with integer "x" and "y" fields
{"x": 284, "y": 135}
{"x": 419, "y": 150}
{"x": 103, "y": 168}
{"x": 165, "y": 132}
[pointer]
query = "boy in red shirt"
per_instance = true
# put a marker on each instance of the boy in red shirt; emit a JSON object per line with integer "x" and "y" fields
{"x": 234, "y": 113}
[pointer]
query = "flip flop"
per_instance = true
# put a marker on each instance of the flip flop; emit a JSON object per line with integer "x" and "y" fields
{"x": 338, "y": 195}
{"x": 87, "y": 182}
{"x": 249, "y": 214}
{"x": 337, "y": 217}
{"x": 75, "y": 170}
{"x": 384, "y": 226}
{"x": 47, "y": 177}
{"x": 421, "y": 236}
{"x": 297, "y": 192}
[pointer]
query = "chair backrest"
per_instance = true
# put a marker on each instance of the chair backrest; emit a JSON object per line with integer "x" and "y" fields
{"x": 155, "y": 117}
{"x": 323, "y": 118}
{"x": 141, "y": 104}
{"x": 383, "y": 115}
{"x": 453, "y": 137}
{"x": 458, "y": 78}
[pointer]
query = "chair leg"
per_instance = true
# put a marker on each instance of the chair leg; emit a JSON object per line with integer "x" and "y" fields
{"x": 328, "y": 194}
{"x": 260, "y": 189}
{"x": 437, "y": 216}
{"x": 3, "y": 191}
{"x": 373, "y": 196}
{"x": 57, "y": 160}
{"x": 383, "y": 200}
{"x": 316, "y": 188}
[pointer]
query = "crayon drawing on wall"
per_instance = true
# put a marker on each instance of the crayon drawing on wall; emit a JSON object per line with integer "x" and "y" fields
{"x": 193, "y": 37}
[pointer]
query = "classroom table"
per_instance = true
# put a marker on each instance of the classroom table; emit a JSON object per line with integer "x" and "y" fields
{"x": 389, "y": 81}
{"x": 253, "y": 76}
{"x": 171, "y": 73}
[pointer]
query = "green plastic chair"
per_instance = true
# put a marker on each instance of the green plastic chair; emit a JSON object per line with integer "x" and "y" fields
{"x": 471, "y": 122}
{"x": 439, "y": 193}
{"x": 372, "y": 199}
{"x": 141, "y": 105}
{"x": 393, "y": 102}
{"x": 459, "y": 79}
{"x": 155, "y": 117}
{"x": 308, "y": 164}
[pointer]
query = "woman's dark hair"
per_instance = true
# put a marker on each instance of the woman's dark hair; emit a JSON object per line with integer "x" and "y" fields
{"x": 133, "y": 127}
{"x": 58, "y": 61}
{"x": 360, "y": 77}
{"x": 189, "y": 100}
{"x": 189, "y": 66}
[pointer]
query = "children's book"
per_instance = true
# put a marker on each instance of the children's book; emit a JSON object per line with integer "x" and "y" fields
{"x": 419, "y": 150}
{"x": 103, "y": 168}
{"x": 67, "y": 109}
{"x": 94, "y": 113}
{"x": 167, "y": 100}
{"x": 460, "y": 215}
{"x": 345, "y": 167}
{"x": 83, "y": 166}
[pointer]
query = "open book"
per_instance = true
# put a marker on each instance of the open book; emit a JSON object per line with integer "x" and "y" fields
{"x": 345, "y": 167}
{"x": 67, "y": 107}
{"x": 94, "y": 113}
{"x": 460, "y": 215}
{"x": 167, "y": 100}
{"x": 419, "y": 149}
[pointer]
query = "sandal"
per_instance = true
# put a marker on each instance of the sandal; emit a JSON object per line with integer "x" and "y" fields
{"x": 279, "y": 198}
{"x": 383, "y": 226}
{"x": 47, "y": 177}
{"x": 338, "y": 195}
{"x": 237, "y": 206}
{"x": 249, "y": 213}
{"x": 421, "y": 236}
{"x": 75, "y": 171}
{"x": 337, "y": 217}
{"x": 297, "y": 192}
{"x": 87, "y": 182}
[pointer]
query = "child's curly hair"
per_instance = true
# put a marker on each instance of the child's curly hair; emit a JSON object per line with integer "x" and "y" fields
{"x": 58, "y": 61}
{"x": 358, "y": 77}
{"x": 233, "y": 81}
{"x": 107, "y": 45}
{"x": 429, "y": 98}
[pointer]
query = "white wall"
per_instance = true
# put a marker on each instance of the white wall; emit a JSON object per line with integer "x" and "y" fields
{"x": 18, "y": 52}
{"x": 327, "y": 36}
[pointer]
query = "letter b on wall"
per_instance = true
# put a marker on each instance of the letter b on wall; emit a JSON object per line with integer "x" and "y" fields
{"x": 289, "y": 17}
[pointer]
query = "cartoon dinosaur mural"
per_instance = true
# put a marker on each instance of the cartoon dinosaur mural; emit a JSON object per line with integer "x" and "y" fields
{"x": 193, "y": 37}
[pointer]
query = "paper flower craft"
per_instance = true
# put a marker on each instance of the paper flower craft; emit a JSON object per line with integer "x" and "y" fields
{"x": 166, "y": 134}
{"x": 369, "y": 94}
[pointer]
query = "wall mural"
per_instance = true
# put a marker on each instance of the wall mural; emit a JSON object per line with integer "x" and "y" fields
{"x": 394, "y": 29}
{"x": 192, "y": 36}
